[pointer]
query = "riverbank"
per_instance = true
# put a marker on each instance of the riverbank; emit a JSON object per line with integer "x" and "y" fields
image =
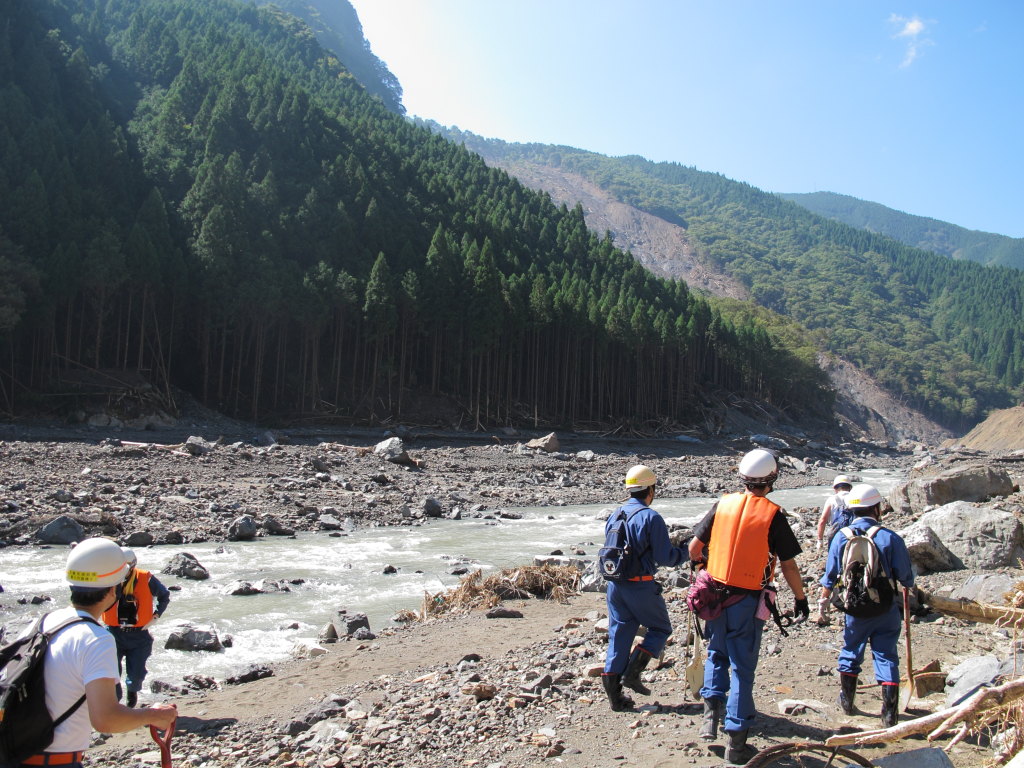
{"x": 458, "y": 690}
{"x": 517, "y": 692}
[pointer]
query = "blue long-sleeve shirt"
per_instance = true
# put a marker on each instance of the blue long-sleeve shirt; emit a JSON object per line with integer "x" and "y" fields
{"x": 649, "y": 533}
{"x": 160, "y": 592}
{"x": 891, "y": 547}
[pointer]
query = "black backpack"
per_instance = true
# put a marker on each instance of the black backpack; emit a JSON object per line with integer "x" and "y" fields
{"x": 864, "y": 589}
{"x": 618, "y": 559}
{"x": 26, "y": 726}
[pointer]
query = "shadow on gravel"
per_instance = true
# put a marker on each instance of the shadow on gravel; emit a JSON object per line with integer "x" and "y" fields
{"x": 203, "y": 727}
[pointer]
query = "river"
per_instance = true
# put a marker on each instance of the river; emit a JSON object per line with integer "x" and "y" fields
{"x": 341, "y": 572}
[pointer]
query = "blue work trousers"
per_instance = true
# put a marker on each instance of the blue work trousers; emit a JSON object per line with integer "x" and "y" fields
{"x": 734, "y": 643}
{"x": 630, "y": 604}
{"x": 134, "y": 646}
{"x": 884, "y": 634}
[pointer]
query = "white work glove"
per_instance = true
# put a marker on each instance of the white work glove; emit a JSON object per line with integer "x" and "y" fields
{"x": 817, "y": 546}
{"x": 823, "y": 610}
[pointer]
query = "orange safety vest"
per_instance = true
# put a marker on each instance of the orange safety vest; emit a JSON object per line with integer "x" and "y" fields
{"x": 738, "y": 550}
{"x": 143, "y": 599}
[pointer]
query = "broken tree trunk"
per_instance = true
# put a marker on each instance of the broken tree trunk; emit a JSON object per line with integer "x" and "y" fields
{"x": 972, "y": 611}
{"x": 978, "y": 709}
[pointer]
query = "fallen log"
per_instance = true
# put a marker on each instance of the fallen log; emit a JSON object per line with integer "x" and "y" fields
{"x": 985, "y": 613}
{"x": 980, "y": 708}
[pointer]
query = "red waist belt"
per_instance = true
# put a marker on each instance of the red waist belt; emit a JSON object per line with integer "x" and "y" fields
{"x": 641, "y": 578}
{"x": 53, "y": 758}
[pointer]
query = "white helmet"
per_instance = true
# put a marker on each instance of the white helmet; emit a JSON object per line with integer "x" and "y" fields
{"x": 97, "y": 563}
{"x": 640, "y": 477}
{"x": 863, "y": 496}
{"x": 841, "y": 480}
{"x": 129, "y": 556}
{"x": 759, "y": 468}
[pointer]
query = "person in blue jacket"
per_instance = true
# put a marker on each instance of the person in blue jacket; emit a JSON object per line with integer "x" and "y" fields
{"x": 638, "y": 600}
{"x": 883, "y": 632}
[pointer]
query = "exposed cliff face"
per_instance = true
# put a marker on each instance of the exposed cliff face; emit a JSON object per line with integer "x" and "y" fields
{"x": 1001, "y": 431}
{"x": 662, "y": 247}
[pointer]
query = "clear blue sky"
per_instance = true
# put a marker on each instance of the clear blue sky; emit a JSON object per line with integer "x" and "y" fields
{"x": 918, "y": 106}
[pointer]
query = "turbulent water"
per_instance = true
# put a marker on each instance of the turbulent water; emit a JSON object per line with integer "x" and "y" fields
{"x": 341, "y": 572}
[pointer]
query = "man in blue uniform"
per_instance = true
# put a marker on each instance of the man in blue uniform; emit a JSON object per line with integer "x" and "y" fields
{"x": 638, "y": 600}
{"x": 882, "y": 631}
{"x": 741, "y": 539}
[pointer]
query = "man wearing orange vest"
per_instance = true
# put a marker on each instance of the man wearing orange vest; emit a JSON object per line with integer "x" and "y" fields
{"x": 744, "y": 535}
{"x": 128, "y": 619}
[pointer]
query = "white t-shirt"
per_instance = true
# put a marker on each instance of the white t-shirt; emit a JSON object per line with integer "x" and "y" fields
{"x": 78, "y": 655}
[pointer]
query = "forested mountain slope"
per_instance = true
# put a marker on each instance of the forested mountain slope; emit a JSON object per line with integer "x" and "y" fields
{"x": 918, "y": 231}
{"x": 945, "y": 336}
{"x": 337, "y": 29}
{"x": 196, "y": 189}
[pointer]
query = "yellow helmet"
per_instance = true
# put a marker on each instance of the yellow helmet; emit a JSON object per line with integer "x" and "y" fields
{"x": 640, "y": 477}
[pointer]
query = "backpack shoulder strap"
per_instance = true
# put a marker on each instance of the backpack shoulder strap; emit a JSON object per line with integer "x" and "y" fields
{"x": 870, "y": 533}
{"x": 51, "y": 633}
{"x": 848, "y": 532}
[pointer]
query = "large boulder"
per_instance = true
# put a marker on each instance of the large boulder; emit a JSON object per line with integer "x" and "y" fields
{"x": 191, "y": 638}
{"x": 244, "y": 528}
{"x": 981, "y": 537}
{"x": 61, "y": 530}
{"x": 927, "y": 552}
{"x": 186, "y": 566}
{"x": 967, "y": 483}
{"x": 549, "y": 443}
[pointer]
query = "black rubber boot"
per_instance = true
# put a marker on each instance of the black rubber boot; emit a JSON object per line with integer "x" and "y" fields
{"x": 638, "y": 662}
{"x": 847, "y": 692}
{"x": 890, "y": 705}
{"x": 713, "y": 709}
{"x": 133, "y": 698}
{"x": 613, "y": 687}
{"x": 738, "y": 752}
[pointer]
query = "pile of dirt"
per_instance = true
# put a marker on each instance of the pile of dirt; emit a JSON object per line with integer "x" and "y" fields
{"x": 1002, "y": 431}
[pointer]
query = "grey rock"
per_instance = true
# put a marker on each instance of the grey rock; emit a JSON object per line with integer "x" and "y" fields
{"x": 243, "y": 528}
{"x": 140, "y": 539}
{"x": 925, "y": 757}
{"x": 548, "y": 443}
{"x": 186, "y": 566}
{"x": 968, "y": 676}
{"x": 350, "y": 622}
{"x": 985, "y": 588}
{"x": 256, "y": 672}
{"x": 981, "y": 537}
{"x": 500, "y": 612}
{"x": 970, "y": 483}
{"x": 927, "y": 552}
{"x": 61, "y": 530}
{"x": 192, "y": 638}
{"x": 275, "y": 527}
{"x": 197, "y": 446}
{"x": 432, "y": 507}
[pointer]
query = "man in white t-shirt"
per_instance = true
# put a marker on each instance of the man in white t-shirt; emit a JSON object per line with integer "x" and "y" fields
{"x": 82, "y": 659}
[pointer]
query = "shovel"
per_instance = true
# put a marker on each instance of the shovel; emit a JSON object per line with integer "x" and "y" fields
{"x": 695, "y": 669}
{"x": 907, "y": 690}
{"x": 164, "y": 742}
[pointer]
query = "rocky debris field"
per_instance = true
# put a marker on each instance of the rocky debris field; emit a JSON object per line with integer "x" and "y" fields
{"x": 468, "y": 690}
{"x": 205, "y": 489}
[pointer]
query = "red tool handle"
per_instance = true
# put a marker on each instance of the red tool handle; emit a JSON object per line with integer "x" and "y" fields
{"x": 164, "y": 742}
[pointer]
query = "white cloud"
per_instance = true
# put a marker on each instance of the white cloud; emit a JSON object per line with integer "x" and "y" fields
{"x": 914, "y": 31}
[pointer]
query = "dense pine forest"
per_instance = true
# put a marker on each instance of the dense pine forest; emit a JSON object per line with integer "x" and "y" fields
{"x": 946, "y": 336}
{"x": 198, "y": 191}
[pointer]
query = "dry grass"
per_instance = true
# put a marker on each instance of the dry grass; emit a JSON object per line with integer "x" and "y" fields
{"x": 549, "y": 582}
